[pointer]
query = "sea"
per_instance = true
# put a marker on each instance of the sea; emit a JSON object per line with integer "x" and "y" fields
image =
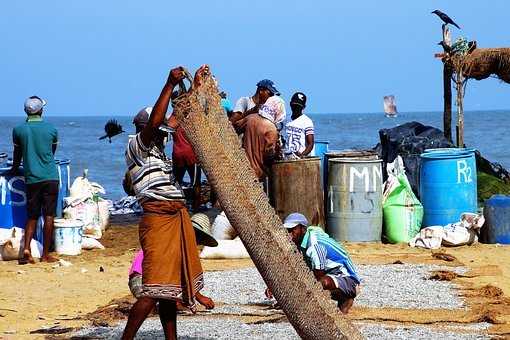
{"x": 487, "y": 131}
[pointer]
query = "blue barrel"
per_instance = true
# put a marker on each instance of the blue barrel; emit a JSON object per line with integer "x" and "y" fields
{"x": 64, "y": 174}
{"x": 320, "y": 148}
{"x": 13, "y": 200}
{"x": 447, "y": 185}
{"x": 497, "y": 220}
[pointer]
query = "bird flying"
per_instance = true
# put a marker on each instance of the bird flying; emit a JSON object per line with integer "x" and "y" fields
{"x": 112, "y": 128}
{"x": 446, "y": 19}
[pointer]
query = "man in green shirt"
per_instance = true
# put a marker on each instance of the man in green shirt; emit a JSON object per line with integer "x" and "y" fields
{"x": 35, "y": 142}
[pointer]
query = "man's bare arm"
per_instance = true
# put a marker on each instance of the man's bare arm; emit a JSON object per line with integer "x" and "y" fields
{"x": 309, "y": 140}
{"x": 160, "y": 108}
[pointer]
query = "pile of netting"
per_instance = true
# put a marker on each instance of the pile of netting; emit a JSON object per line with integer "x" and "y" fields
{"x": 484, "y": 62}
{"x": 309, "y": 309}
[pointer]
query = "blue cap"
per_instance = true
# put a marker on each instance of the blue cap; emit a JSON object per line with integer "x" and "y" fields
{"x": 34, "y": 105}
{"x": 294, "y": 219}
{"x": 268, "y": 84}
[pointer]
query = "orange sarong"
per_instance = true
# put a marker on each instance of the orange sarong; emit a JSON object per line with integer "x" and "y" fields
{"x": 171, "y": 266}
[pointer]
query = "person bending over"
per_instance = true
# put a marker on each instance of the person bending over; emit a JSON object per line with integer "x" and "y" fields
{"x": 250, "y": 105}
{"x": 260, "y": 139}
{"x": 330, "y": 263}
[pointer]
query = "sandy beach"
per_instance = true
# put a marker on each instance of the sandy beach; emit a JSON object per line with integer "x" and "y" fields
{"x": 93, "y": 290}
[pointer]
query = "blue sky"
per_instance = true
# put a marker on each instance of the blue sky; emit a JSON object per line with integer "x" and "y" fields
{"x": 99, "y": 57}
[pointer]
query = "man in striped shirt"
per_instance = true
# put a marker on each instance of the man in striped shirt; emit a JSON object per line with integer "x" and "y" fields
{"x": 330, "y": 263}
{"x": 171, "y": 267}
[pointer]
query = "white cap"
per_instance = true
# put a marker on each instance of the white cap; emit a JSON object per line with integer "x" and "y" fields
{"x": 34, "y": 105}
{"x": 294, "y": 219}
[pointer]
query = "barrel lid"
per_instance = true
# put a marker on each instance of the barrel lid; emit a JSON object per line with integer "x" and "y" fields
{"x": 353, "y": 160}
{"x": 450, "y": 150}
{"x": 446, "y": 155}
{"x": 298, "y": 160}
{"x": 499, "y": 201}
{"x": 64, "y": 161}
{"x": 67, "y": 223}
{"x": 321, "y": 141}
{"x": 351, "y": 153}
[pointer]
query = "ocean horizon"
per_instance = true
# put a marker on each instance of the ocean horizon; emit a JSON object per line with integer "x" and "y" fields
{"x": 66, "y": 115}
{"x": 79, "y": 138}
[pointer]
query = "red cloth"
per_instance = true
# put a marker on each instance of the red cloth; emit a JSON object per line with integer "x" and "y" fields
{"x": 182, "y": 154}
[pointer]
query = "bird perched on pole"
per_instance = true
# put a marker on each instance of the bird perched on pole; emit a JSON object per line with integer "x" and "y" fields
{"x": 446, "y": 19}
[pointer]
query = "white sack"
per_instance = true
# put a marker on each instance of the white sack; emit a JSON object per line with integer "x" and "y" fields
{"x": 88, "y": 213}
{"x": 226, "y": 249}
{"x": 90, "y": 243}
{"x": 429, "y": 238}
{"x": 221, "y": 228}
{"x": 464, "y": 232}
{"x": 104, "y": 214}
{"x": 10, "y": 244}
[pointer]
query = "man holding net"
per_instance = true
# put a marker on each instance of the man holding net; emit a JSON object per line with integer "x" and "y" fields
{"x": 171, "y": 267}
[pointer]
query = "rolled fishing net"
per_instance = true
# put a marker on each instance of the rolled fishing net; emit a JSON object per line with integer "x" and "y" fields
{"x": 307, "y": 306}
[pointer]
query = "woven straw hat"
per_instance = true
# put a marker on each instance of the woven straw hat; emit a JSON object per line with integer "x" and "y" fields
{"x": 202, "y": 227}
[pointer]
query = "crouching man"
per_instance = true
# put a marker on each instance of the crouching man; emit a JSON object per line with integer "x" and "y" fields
{"x": 330, "y": 263}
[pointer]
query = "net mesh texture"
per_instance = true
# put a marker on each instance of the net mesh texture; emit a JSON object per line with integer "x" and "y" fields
{"x": 308, "y": 307}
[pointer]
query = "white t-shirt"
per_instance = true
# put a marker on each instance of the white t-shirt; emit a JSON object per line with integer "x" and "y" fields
{"x": 295, "y": 134}
{"x": 244, "y": 104}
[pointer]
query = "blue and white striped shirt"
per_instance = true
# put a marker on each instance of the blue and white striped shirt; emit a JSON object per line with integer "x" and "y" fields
{"x": 324, "y": 253}
{"x": 151, "y": 172}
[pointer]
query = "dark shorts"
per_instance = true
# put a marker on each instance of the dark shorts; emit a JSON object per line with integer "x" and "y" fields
{"x": 42, "y": 198}
{"x": 346, "y": 288}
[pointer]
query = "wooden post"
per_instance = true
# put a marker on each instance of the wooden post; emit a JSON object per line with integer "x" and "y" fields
{"x": 447, "y": 87}
{"x": 447, "y": 90}
{"x": 459, "y": 81}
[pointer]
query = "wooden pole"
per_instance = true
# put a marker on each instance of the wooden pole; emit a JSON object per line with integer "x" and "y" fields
{"x": 460, "y": 108}
{"x": 447, "y": 87}
{"x": 447, "y": 90}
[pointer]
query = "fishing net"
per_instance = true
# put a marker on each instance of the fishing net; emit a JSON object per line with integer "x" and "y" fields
{"x": 308, "y": 307}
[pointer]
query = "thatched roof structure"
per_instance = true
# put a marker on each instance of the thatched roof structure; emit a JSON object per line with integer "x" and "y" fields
{"x": 484, "y": 62}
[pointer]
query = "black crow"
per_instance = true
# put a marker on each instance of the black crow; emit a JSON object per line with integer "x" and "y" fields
{"x": 112, "y": 128}
{"x": 446, "y": 19}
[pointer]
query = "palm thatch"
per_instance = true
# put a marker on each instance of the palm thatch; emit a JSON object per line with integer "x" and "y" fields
{"x": 484, "y": 62}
